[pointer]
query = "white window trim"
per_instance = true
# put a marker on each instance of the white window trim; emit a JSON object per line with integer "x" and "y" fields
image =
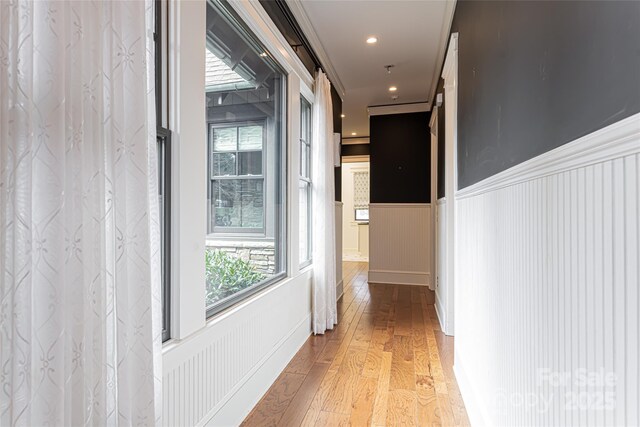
{"x": 309, "y": 261}
{"x": 187, "y": 23}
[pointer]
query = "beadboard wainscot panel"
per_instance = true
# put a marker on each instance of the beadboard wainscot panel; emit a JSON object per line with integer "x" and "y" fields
{"x": 218, "y": 374}
{"x": 547, "y": 286}
{"x": 441, "y": 259}
{"x": 400, "y": 243}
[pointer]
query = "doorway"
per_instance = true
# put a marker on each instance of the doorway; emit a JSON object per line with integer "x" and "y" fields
{"x": 355, "y": 212}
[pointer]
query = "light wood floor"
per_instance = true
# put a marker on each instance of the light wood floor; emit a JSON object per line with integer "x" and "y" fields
{"x": 386, "y": 363}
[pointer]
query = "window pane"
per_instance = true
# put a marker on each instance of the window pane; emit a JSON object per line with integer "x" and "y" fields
{"x": 250, "y": 163}
{"x": 238, "y": 203}
{"x": 225, "y": 139}
{"x": 250, "y": 138}
{"x": 245, "y": 111}
{"x": 224, "y": 164}
{"x": 305, "y": 200}
{"x": 304, "y": 160}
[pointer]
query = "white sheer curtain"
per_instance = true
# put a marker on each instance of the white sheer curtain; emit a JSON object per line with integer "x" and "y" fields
{"x": 324, "y": 220}
{"x": 80, "y": 330}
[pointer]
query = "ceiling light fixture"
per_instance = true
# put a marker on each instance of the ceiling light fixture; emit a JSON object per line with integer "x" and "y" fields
{"x": 263, "y": 54}
{"x": 342, "y": 115}
{"x": 353, "y": 134}
{"x": 372, "y": 40}
{"x": 389, "y": 67}
{"x": 393, "y": 89}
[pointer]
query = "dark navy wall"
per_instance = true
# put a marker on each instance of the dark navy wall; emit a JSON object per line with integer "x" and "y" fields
{"x": 400, "y": 158}
{"x": 534, "y": 75}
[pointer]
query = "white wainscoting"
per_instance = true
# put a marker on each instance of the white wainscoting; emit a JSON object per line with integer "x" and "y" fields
{"x": 547, "y": 286}
{"x": 441, "y": 270}
{"x": 400, "y": 243}
{"x": 218, "y": 374}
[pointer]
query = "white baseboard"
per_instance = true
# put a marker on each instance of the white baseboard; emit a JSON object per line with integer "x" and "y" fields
{"x": 442, "y": 317}
{"x": 399, "y": 277}
{"x": 249, "y": 393}
{"x": 477, "y": 417}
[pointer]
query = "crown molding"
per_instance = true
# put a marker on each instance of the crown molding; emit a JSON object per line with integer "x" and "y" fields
{"x": 415, "y": 107}
{"x": 310, "y": 33}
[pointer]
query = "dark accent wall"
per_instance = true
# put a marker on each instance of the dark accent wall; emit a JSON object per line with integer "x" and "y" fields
{"x": 336, "y": 103}
{"x": 355, "y": 150}
{"x": 441, "y": 143}
{"x": 400, "y": 158}
{"x": 536, "y": 75}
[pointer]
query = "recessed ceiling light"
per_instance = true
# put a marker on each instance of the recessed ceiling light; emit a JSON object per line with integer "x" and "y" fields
{"x": 353, "y": 134}
{"x": 393, "y": 89}
{"x": 263, "y": 54}
{"x": 342, "y": 115}
{"x": 372, "y": 40}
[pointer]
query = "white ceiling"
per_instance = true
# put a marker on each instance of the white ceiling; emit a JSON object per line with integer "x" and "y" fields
{"x": 411, "y": 35}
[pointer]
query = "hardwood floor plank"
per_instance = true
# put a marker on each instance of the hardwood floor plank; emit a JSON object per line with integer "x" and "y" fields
{"x": 315, "y": 408}
{"x": 306, "y": 357}
{"x": 402, "y": 370}
{"x": 300, "y": 404}
{"x": 342, "y": 394}
{"x": 362, "y": 411}
{"x": 274, "y": 404}
{"x": 401, "y": 408}
{"x": 332, "y": 419}
{"x": 428, "y": 412}
{"x": 382, "y": 393}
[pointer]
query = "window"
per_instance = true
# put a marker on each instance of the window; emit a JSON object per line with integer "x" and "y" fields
{"x": 164, "y": 174}
{"x": 237, "y": 178}
{"x": 361, "y": 196}
{"x": 305, "y": 182}
{"x": 245, "y": 93}
{"x": 163, "y": 140}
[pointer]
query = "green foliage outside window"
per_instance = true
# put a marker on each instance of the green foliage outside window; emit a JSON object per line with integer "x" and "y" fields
{"x": 226, "y": 275}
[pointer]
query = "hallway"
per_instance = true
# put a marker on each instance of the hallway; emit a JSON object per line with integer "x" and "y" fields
{"x": 386, "y": 363}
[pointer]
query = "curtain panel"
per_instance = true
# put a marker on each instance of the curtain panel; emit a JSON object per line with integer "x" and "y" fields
{"x": 324, "y": 217}
{"x": 80, "y": 297}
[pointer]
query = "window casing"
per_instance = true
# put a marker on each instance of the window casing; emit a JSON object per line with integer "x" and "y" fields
{"x": 245, "y": 241}
{"x": 305, "y": 184}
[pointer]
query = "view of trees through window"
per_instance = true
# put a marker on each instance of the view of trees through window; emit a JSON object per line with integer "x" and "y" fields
{"x": 245, "y": 109}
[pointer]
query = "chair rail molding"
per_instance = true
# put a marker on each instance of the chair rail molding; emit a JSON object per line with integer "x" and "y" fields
{"x": 547, "y": 284}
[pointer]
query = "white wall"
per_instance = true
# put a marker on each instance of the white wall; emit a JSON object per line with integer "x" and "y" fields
{"x": 355, "y": 237}
{"x": 547, "y": 286}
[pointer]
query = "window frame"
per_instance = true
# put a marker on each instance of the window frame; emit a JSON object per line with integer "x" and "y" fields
{"x": 306, "y": 180}
{"x": 237, "y": 231}
{"x": 164, "y": 149}
{"x": 163, "y": 140}
{"x": 279, "y": 180}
